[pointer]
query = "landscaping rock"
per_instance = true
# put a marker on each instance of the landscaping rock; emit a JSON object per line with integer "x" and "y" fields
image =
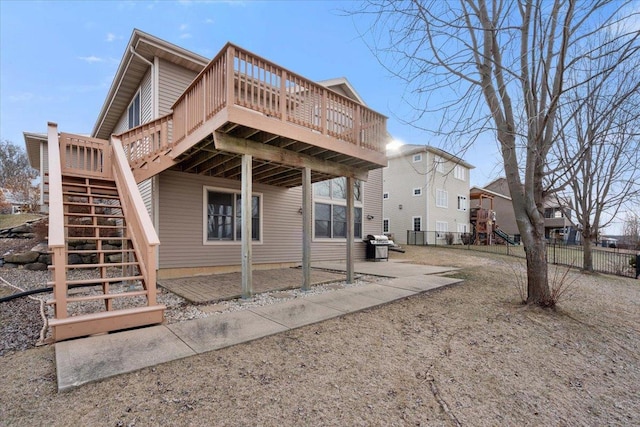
{"x": 74, "y": 259}
{"x": 114, "y": 258}
{"x": 24, "y": 228}
{"x": 22, "y": 257}
{"x": 41, "y": 247}
{"x": 88, "y": 247}
{"x": 10, "y": 265}
{"x": 36, "y": 266}
{"x": 45, "y": 259}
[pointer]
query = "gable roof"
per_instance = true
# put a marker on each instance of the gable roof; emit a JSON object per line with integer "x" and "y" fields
{"x": 411, "y": 149}
{"x": 32, "y": 142}
{"x": 343, "y": 84}
{"x": 140, "y": 51}
{"x": 489, "y": 192}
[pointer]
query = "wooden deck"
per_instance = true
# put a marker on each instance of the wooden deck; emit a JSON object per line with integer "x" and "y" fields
{"x": 241, "y": 103}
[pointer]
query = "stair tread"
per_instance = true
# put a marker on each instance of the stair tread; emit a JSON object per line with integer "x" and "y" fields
{"x": 98, "y": 251}
{"x": 100, "y": 297}
{"x": 98, "y": 281}
{"x": 105, "y": 314}
{"x": 104, "y": 264}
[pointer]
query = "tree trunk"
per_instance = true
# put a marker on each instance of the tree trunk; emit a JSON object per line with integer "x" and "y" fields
{"x": 587, "y": 259}
{"x": 537, "y": 280}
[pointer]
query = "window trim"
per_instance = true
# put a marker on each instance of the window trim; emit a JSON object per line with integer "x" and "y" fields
{"x": 466, "y": 203}
{"x": 206, "y": 241}
{"x": 386, "y": 220}
{"x": 439, "y": 163}
{"x": 385, "y": 195}
{"x": 137, "y": 95}
{"x": 413, "y": 223}
{"x": 446, "y": 198}
{"x": 440, "y": 234}
{"x": 417, "y": 158}
{"x": 459, "y": 170}
{"x": 339, "y": 202}
{"x": 419, "y": 193}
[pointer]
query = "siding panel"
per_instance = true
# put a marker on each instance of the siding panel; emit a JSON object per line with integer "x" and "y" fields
{"x": 181, "y": 221}
{"x": 173, "y": 80}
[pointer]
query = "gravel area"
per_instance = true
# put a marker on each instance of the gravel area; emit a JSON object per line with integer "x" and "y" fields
{"x": 22, "y": 323}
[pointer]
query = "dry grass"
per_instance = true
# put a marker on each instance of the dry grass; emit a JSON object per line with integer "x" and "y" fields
{"x": 472, "y": 348}
{"x": 7, "y": 221}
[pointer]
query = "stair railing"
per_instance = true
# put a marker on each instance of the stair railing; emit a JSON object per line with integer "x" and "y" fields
{"x": 56, "y": 222}
{"x": 141, "y": 232}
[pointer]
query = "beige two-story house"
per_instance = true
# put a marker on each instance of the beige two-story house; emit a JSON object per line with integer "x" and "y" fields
{"x": 425, "y": 195}
{"x": 201, "y": 165}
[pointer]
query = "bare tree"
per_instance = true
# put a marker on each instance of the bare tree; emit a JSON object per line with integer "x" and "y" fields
{"x": 507, "y": 64}
{"x": 16, "y": 173}
{"x": 599, "y": 151}
{"x": 631, "y": 230}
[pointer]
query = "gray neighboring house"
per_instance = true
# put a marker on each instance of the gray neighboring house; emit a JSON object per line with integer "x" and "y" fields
{"x": 425, "y": 189}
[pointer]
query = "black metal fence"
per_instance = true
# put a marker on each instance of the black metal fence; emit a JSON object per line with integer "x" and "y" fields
{"x": 620, "y": 262}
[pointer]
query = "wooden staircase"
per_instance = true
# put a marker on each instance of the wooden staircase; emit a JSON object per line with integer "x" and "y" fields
{"x": 103, "y": 264}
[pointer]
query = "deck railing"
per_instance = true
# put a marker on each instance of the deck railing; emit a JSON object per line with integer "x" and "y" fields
{"x": 238, "y": 77}
{"x": 141, "y": 232}
{"x": 84, "y": 156}
{"x": 148, "y": 139}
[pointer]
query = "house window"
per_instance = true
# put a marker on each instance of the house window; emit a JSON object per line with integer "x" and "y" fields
{"x": 458, "y": 172}
{"x": 417, "y": 191}
{"x": 462, "y": 203}
{"x": 417, "y": 158}
{"x": 330, "y": 221}
{"x": 385, "y": 225}
{"x": 462, "y": 228}
{"x": 417, "y": 223}
{"x": 134, "y": 111}
{"x": 330, "y": 210}
{"x": 439, "y": 161}
{"x": 442, "y": 199}
{"x": 442, "y": 227}
{"x": 385, "y": 196}
{"x": 223, "y": 216}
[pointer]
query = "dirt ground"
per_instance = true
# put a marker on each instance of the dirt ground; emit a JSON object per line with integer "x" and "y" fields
{"x": 469, "y": 354}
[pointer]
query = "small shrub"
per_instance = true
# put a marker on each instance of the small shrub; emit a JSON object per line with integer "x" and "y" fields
{"x": 448, "y": 237}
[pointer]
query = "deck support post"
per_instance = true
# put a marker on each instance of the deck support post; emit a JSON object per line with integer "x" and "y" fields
{"x": 350, "y": 228}
{"x": 246, "y": 232}
{"x": 306, "y": 228}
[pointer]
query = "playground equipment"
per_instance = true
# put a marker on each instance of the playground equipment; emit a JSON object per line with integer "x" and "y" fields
{"x": 483, "y": 222}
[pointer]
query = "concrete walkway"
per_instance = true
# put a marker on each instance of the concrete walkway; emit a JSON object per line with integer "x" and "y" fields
{"x": 93, "y": 358}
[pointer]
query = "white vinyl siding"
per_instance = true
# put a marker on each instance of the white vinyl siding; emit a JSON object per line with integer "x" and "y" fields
{"x": 442, "y": 198}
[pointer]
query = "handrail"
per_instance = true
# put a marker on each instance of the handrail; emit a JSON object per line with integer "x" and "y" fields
{"x": 149, "y": 138}
{"x": 141, "y": 230}
{"x": 84, "y": 156}
{"x": 56, "y": 211}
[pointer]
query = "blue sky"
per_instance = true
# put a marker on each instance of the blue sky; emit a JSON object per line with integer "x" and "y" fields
{"x": 58, "y": 58}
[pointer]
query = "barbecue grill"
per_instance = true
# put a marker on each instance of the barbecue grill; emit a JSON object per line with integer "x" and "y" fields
{"x": 378, "y": 247}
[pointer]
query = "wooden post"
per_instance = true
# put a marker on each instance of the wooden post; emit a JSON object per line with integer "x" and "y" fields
{"x": 350, "y": 229}
{"x": 245, "y": 217}
{"x": 283, "y": 95}
{"x": 231, "y": 76}
{"x": 306, "y": 228}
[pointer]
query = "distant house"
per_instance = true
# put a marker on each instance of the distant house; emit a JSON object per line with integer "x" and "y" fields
{"x": 502, "y": 206}
{"x": 15, "y": 201}
{"x": 557, "y": 225}
{"x": 425, "y": 190}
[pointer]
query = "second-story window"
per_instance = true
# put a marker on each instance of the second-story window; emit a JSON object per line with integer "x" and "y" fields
{"x": 134, "y": 111}
{"x": 458, "y": 172}
{"x": 439, "y": 163}
{"x": 417, "y": 158}
{"x": 442, "y": 199}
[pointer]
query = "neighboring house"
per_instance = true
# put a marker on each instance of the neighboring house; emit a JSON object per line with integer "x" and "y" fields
{"x": 16, "y": 202}
{"x": 557, "y": 226}
{"x": 425, "y": 189}
{"x": 206, "y": 133}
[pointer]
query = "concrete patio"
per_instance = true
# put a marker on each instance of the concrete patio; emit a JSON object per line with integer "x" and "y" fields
{"x": 93, "y": 358}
